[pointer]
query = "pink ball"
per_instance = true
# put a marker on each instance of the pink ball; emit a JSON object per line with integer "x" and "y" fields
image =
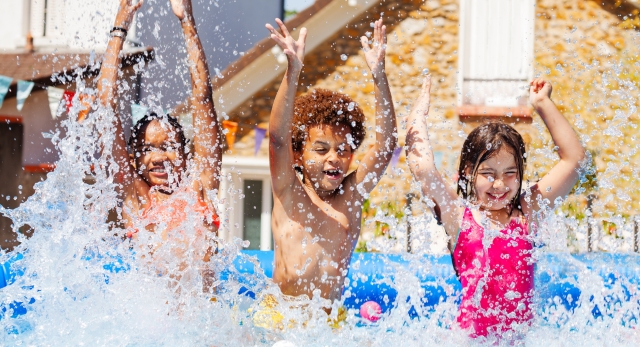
{"x": 370, "y": 311}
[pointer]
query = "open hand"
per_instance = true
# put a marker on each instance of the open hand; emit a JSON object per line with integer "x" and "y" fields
{"x": 375, "y": 55}
{"x": 539, "y": 90}
{"x": 294, "y": 50}
{"x": 424, "y": 100}
{"x": 126, "y": 11}
{"x": 181, "y": 8}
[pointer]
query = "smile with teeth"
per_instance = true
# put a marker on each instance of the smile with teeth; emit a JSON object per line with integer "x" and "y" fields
{"x": 496, "y": 196}
{"x": 159, "y": 171}
{"x": 333, "y": 174}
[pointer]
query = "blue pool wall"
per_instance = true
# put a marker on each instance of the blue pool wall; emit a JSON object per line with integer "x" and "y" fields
{"x": 371, "y": 276}
{"x": 556, "y": 275}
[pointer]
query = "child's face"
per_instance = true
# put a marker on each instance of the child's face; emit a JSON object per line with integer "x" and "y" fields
{"x": 497, "y": 180}
{"x": 326, "y": 156}
{"x": 159, "y": 157}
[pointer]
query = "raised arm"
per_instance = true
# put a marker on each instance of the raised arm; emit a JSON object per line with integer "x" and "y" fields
{"x": 108, "y": 93}
{"x": 208, "y": 152}
{"x": 564, "y": 175}
{"x": 377, "y": 158}
{"x": 422, "y": 165}
{"x": 281, "y": 156}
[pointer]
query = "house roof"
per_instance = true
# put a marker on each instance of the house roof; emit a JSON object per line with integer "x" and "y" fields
{"x": 55, "y": 68}
{"x": 266, "y": 44}
{"x": 259, "y": 65}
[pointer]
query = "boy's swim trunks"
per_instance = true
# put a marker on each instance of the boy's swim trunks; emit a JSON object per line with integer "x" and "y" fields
{"x": 269, "y": 314}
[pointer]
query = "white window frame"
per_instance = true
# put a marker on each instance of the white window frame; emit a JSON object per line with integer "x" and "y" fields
{"x": 495, "y": 52}
{"x": 235, "y": 170}
{"x": 47, "y": 24}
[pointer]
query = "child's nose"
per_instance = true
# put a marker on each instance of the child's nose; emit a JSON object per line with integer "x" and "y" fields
{"x": 159, "y": 158}
{"x": 333, "y": 156}
{"x": 498, "y": 183}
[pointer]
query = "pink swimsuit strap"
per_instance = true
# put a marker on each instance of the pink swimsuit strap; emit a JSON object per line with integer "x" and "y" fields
{"x": 175, "y": 211}
{"x": 497, "y": 280}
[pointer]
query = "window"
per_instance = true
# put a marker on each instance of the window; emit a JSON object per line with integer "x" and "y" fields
{"x": 246, "y": 200}
{"x": 252, "y": 216}
{"x": 496, "y": 52}
{"x": 47, "y": 18}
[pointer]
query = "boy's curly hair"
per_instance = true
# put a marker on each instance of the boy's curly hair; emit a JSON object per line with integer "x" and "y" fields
{"x": 324, "y": 107}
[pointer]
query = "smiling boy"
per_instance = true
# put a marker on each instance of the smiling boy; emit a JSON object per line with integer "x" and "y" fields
{"x": 317, "y": 203}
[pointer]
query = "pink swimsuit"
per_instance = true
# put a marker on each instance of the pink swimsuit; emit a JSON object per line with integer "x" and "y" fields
{"x": 497, "y": 281}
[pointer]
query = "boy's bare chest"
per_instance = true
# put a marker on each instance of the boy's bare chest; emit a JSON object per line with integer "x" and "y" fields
{"x": 314, "y": 236}
{"x": 312, "y": 212}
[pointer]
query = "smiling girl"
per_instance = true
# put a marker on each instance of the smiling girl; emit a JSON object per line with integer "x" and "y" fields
{"x": 167, "y": 188}
{"x": 489, "y": 229}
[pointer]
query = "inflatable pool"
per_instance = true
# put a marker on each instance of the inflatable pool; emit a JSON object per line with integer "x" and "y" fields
{"x": 372, "y": 277}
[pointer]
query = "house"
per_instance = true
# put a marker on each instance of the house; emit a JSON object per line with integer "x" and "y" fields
{"x": 481, "y": 54}
{"x": 26, "y": 155}
{"x": 53, "y": 42}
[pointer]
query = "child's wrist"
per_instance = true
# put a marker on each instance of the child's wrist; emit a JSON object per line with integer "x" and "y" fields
{"x": 293, "y": 69}
{"x": 122, "y": 23}
{"x": 543, "y": 103}
{"x": 380, "y": 77}
{"x": 187, "y": 21}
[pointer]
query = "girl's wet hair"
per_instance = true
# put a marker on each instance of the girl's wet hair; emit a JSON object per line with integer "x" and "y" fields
{"x": 141, "y": 126}
{"x": 483, "y": 143}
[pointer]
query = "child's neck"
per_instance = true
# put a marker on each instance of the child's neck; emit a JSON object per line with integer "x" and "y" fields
{"x": 502, "y": 216}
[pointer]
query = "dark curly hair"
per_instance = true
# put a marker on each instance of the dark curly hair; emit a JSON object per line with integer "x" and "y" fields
{"x": 483, "y": 143}
{"x": 324, "y": 107}
{"x": 141, "y": 126}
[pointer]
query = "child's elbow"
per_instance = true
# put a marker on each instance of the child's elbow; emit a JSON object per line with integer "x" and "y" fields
{"x": 425, "y": 174}
{"x": 582, "y": 154}
{"x": 579, "y": 156}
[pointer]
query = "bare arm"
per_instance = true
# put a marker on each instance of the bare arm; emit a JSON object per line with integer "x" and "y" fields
{"x": 422, "y": 165}
{"x": 564, "y": 175}
{"x": 208, "y": 153}
{"x": 108, "y": 92}
{"x": 377, "y": 158}
{"x": 281, "y": 155}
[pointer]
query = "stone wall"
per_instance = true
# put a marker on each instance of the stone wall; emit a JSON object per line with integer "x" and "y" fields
{"x": 590, "y": 50}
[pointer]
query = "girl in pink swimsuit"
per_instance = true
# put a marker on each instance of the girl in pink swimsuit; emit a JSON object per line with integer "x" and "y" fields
{"x": 489, "y": 229}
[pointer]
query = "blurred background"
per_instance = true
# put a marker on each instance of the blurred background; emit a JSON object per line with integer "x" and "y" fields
{"x": 481, "y": 54}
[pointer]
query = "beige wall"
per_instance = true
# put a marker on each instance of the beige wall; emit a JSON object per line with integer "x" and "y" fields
{"x": 591, "y": 54}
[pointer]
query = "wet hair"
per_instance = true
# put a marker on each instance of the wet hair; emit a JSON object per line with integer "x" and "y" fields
{"x": 483, "y": 143}
{"x": 141, "y": 125}
{"x": 324, "y": 107}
